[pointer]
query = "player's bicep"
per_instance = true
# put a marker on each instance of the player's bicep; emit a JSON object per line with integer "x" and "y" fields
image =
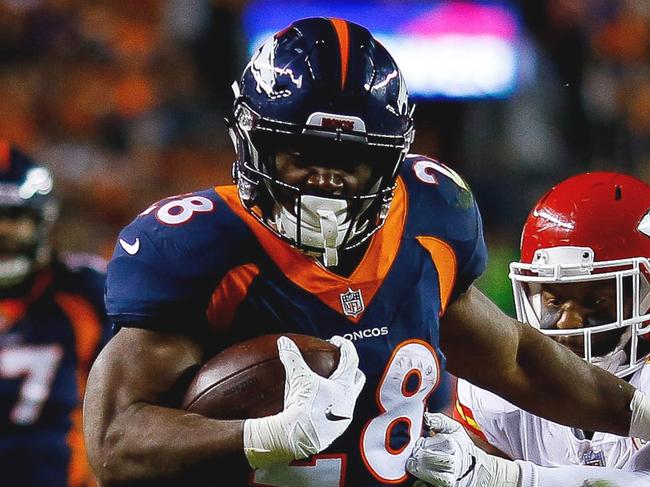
{"x": 137, "y": 367}
{"x": 479, "y": 340}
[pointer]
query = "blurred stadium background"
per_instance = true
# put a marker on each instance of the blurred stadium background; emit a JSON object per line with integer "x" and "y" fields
{"x": 125, "y": 99}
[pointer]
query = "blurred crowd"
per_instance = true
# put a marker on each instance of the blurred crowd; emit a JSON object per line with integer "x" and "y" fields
{"x": 125, "y": 100}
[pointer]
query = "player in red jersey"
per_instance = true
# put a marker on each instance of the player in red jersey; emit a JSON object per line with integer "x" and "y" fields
{"x": 583, "y": 280}
{"x": 52, "y": 324}
{"x": 331, "y": 228}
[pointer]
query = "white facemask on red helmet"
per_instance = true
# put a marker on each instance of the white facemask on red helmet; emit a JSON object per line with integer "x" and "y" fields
{"x": 591, "y": 227}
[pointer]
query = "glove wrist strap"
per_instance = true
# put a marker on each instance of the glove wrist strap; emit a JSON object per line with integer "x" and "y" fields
{"x": 505, "y": 473}
{"x": 264, "y": 444}
{"x": 640, "y": 424}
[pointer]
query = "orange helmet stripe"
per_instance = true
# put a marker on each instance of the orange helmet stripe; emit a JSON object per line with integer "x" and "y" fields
{"x": 341, "y": 28}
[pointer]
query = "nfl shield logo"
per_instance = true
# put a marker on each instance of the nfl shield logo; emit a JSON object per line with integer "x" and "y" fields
{"x": 593, "y": 458}
{"x": 352, "y": 303}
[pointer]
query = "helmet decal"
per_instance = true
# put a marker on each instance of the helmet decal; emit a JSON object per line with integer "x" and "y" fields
{"x": 553, "y": 219}
{"x": 265, "y": 71}
{"x": 644, "y": 225}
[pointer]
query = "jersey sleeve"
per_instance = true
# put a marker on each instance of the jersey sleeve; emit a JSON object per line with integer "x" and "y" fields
{"x": 85, "y": 277}
{"x": 489, "y": 417}
{"x": 441, "y": 205}
{"x": 474, "y": 254}
{"x": 160, "y": 274}
{"x": 641, "y": 379}
{"x": 144, "y": 290}
{"x": 580, "y": 475}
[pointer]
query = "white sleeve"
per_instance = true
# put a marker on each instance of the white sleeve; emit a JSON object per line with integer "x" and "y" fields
{"x": 490, "y": 417}
{"x": 580, "y": 476}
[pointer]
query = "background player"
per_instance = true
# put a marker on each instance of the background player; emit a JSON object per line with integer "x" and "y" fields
{"x": 331, "y": 227}
{"x": 52, "y": 323}
{"x": 583, "y": 280}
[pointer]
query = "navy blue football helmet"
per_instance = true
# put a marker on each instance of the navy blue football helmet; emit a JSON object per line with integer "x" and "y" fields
{"x": 26, "y": 191}
{"x": 320, "y": 84}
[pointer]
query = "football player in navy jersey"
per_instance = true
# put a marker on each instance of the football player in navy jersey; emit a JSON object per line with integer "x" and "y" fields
{"x": 52, "y": 324}
{"x": 332, "y": 230}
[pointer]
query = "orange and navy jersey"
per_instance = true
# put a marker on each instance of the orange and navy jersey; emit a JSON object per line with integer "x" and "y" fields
{"x": 199, "y": 264}
{"x": 50, "y": 333}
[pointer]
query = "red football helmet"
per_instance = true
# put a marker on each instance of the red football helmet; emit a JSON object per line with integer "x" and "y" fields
{"x": 591, "y": 227}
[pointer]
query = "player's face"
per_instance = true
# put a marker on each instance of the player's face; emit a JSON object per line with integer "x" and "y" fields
{"x": 581, "y": 305}
{"x": 319, "y": 171}
{"x": 17, "y": 234}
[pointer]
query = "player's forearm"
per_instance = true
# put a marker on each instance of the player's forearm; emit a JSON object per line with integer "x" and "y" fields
{"x": 151, "y": 442}
{"x": 552, "y": 382}
{"x": 579, "y": 476}
{"x": 530, "y": 370}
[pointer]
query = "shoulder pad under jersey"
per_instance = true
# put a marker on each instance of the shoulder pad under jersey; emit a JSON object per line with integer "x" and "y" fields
{"x": 165, "y": 260}
{"x": 441, "y": 205}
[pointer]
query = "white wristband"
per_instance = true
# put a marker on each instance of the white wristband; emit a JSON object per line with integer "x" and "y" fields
{"x": 640, "y": 424}
{"x": 266, "y": 442}
{"x": 506, "y": 472}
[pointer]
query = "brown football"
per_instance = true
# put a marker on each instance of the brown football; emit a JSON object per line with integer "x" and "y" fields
{"x": 246, "y": 380}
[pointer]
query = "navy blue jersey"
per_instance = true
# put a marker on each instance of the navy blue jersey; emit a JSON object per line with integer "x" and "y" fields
{"x": 49, "y": 337}
{"x": 199, "y": 264}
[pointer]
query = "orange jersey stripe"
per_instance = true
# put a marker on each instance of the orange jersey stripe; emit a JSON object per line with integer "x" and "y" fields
{"x": 12, "y": 310}
{"x": 306, "y": 273}
{"x": 444, "y": 258}
{"x": 87, "y": 332}
{"x": 85, "y": 323}
{"x": 343, "y": 35}
{"x": 229, "y": 294}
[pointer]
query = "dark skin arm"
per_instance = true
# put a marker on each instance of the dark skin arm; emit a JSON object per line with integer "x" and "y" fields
{"x": 130, "y": 437}
{"x": 518, "y": 363}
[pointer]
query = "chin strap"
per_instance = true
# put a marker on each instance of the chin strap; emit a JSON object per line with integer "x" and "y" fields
{"x": 329, "y": 232}
{"x": 323, "y": 225}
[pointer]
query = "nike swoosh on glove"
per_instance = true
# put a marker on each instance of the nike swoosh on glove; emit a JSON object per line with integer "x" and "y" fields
{"x": 317, "y": 410}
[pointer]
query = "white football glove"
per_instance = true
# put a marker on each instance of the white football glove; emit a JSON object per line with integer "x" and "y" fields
{"x": 317, "y": 410}
{"x": 449, "y": 458}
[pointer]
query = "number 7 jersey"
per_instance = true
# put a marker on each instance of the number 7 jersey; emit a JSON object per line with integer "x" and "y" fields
{"x": 201, "y": 265}
{"x": 51, "y": 329}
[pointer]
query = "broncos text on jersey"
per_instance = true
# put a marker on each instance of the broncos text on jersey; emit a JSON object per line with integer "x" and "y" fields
{"x": 207, "y": 268}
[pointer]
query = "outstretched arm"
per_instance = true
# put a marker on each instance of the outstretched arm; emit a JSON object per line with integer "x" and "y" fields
{"x": 520, "y": 364}
{"x": 579, "y": 476}
{"x": 448, "y": 457}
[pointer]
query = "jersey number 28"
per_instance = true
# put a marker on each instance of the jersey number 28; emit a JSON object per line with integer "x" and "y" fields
{"x": 412, "y": 374}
